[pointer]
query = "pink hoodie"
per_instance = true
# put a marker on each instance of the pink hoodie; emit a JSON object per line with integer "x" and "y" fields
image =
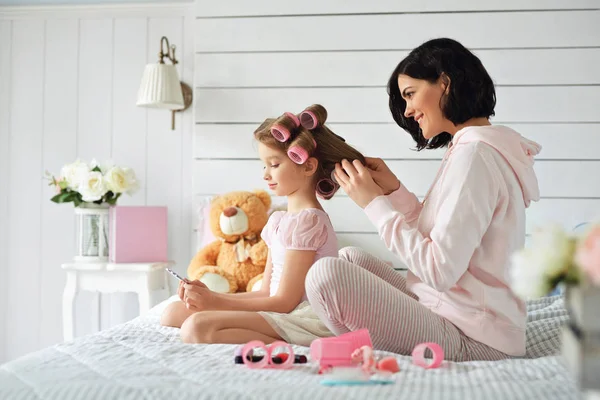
{"x": 457, "y": 243}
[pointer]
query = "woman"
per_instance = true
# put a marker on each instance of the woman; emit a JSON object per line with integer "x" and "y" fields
{"x": 457, "y": 243}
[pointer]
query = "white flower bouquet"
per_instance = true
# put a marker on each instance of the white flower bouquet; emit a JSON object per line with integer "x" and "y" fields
{"x": 80, "y": 182}
{"x": 556, "y": 257}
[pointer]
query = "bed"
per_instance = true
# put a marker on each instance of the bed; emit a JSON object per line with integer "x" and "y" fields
{"x": 142, "y": 360}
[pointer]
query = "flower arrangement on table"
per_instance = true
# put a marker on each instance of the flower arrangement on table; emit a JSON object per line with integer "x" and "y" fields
{"x": 80, "y": 182}
{"x": 92, "y": 188}
{"x": 556, "y": 257}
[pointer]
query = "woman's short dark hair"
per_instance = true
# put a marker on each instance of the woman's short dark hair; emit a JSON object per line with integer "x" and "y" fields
{"x": 471, "y": 93}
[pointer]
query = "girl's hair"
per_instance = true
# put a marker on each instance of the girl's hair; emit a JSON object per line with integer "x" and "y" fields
{"x": 471, "y": 93}
{"x": 305, "y": 135}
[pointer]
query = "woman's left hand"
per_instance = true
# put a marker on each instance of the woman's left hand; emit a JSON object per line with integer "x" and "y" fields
{"x": 355, "y": 179}
{"x": 199, "y": 297}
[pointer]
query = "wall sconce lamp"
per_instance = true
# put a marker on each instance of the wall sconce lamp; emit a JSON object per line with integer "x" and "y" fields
{"x": 160, "y": 86}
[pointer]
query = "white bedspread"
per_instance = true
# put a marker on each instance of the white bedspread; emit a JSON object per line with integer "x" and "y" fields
{"x": 142, "y": 360}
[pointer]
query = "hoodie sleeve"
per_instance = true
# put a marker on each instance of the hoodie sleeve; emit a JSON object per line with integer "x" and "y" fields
{"x": 468, "y": 196}
{"x": 405, "y": 202}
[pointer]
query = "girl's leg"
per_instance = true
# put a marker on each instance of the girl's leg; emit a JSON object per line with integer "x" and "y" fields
{"x": 347, "y": 297}
{"x": 233, "y": 327}
{"x": 174, "y": 314}
{"x": 376, "y": 266}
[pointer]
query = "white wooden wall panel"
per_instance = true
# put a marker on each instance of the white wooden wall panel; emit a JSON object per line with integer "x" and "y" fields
{"x": 257, "y": 60}
{"x": 210, "y": 8}
{"x": 164, "y": 184}
{"x": 68, "y": 87}
{"x": 360, "y": 105}
{"x": 95, "y": 123}
{"x": 568, "y": 66}
{"x": 5, "y": 86}
{"x": 25, "y": 177}
{"x": 398, "y": 31}
{"x": 128, "y": 134}
{"x": 559, "y": 141}
{"x": 569, "y": 179}
{"x": 59, "y": 144}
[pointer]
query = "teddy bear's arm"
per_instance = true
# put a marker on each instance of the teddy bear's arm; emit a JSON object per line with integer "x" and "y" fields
{"x": 204, "y": 257}
{"x": 259, "y": 253}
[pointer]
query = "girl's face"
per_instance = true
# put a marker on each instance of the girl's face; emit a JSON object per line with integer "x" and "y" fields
{"x": 423, "y": 104}
{"x": 283, "y": 176}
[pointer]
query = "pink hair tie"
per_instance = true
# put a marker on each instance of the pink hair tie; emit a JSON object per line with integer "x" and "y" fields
{"x": 297, "y": 154}
{"x": 308, "y": 119}
{"x": 314, "y": 142}
{"x": 280, "y": 133}
{"x": 293, "y": 117}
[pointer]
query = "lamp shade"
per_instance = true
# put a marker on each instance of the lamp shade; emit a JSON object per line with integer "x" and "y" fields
{"x": 160, "y": 88}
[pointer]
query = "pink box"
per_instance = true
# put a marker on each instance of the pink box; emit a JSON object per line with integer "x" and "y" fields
{"x": 137, "y": 234}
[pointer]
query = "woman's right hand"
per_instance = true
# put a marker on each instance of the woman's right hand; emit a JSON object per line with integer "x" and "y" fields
{"x": 382, "y": 175}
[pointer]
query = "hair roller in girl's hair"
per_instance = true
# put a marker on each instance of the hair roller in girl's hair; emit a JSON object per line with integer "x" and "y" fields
{"x": 313, "y": 116}
{"x": 297, "y": 154}
{"x": 326, "y": 188}
{"x": 283, "y": 128}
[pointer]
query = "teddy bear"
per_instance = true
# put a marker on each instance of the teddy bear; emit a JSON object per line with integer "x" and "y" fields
{"x": 235, "y": 262}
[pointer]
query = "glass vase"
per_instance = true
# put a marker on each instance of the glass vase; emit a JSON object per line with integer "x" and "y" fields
{"x": 91, "y": 232}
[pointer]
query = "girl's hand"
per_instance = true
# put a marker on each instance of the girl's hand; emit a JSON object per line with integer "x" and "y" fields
{"x": 382, "y": 175}
{"x": 181, "y": 289}
{"x": 198, "y": 297}
{"x": 357, "y": 182}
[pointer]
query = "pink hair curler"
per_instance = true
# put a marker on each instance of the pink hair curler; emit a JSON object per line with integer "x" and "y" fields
{"x": 333, "y": 177}
{"x": 297, "y": 154}
{"x": 337, "y": 351}
{"x": 418, "y": 355}
{"x": 266, "y": 361}
{"x": 326, "y": 188}
{"x": 308, "y": 119}
{"x": 280, "y": 133}
{"x": 293, "y": 117}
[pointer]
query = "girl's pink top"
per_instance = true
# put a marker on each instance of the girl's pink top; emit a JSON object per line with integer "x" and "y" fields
{"x": 309, "y": 229}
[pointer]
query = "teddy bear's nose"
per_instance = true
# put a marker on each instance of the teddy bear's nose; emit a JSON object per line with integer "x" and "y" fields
{"x": 230, "y": 211}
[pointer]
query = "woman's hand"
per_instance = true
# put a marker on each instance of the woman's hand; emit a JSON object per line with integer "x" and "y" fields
{"x": 198, "y": 297}
{"x": 357, "y": 182}
{"x": 382, "y": 175}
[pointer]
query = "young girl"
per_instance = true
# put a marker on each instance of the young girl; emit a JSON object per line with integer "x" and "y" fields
{"x": 299, "y": 154}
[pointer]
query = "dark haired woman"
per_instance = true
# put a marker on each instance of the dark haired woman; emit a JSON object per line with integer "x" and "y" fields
{"x": 458, "y": 241}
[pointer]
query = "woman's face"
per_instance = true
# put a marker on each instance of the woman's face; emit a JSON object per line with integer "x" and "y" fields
{"x": 423, "y": 104}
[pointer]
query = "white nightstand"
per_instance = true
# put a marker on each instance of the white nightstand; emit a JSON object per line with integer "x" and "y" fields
{"x": 148, "y": 280}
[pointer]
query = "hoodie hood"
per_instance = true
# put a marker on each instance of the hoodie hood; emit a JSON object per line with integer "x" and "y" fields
{"x": 518, "y": 151}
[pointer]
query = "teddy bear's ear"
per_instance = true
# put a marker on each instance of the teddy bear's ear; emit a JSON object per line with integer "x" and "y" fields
{"x": 264, "y": 197}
